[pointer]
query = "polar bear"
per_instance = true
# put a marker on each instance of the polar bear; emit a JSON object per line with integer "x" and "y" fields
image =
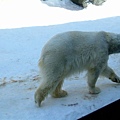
{"x": 72, "y": 52}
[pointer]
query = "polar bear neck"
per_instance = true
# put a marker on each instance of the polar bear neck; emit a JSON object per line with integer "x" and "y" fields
{"x": 114, "y": 43}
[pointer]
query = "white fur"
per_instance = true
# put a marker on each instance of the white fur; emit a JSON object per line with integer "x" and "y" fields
{"x": 72, "y": 52}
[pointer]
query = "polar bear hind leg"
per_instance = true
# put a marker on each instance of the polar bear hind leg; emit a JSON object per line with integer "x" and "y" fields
{"x": 44, "y": 89}
{"x": 58, "y": 92}
{"x": 48, "y": 86}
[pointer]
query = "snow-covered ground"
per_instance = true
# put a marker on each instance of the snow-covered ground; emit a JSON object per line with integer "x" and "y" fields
{"x": 25, "y": 26}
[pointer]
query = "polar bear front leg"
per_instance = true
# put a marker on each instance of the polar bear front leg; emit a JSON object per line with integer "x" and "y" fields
{"x": 109, "y": 73}
{"x": 93, "y": 75}
{"x": 58, "y": 92}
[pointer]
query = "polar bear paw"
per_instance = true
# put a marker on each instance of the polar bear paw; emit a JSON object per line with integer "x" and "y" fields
{"x": 59, "y": 94}
{"x": 95, "y": 90}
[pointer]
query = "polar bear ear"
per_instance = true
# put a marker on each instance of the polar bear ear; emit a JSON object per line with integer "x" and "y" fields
{"x": 97, "y": 2}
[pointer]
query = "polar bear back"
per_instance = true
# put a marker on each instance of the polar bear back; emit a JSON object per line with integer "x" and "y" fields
{"x": 75, "y": 41}
{"x": 74, "y": 51}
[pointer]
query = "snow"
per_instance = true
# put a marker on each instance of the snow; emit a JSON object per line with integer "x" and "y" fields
{"x": 25, "y": 26}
